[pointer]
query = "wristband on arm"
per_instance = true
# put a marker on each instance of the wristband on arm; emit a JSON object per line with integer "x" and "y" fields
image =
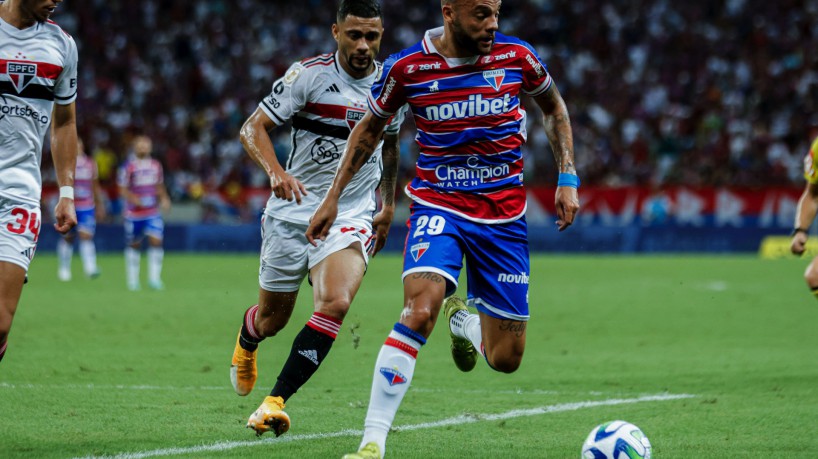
{"x": 67, "y": 192}
{"x": 799, "y": 230}
{"x": 566, "y": 179}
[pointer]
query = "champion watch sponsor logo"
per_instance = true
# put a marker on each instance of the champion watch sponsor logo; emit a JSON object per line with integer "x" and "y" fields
{"x": 521, "y": 278}
{"x": 475, "y": 105}
{"x": 495, "y": 78}
{"x": 393, "y": 376}
{"x": 417, "y": 250}
{"x": 471, "y": 175}
{"x": 311, "y": 355}
{"x": 21, "y": 74}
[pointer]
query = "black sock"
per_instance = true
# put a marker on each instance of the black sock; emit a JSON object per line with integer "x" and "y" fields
{"x": 249, "y": 339}
{"x": 309, "y": 349}
{"x": 3, "y": 349}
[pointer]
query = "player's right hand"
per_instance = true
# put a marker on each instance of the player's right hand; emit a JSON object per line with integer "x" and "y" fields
{"x": 65, "y": 215}
{"x": 321, "y": 221}
{"x": 799, "y": 243}
{"x": 286, "y": 186}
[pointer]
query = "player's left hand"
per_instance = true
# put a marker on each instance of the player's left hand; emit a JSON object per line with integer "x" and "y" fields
{"x": 799, "y": 243}
{"x": 567, "y": 204}
{"x": 65, "y": 215}
{"x": 380, "y": 226}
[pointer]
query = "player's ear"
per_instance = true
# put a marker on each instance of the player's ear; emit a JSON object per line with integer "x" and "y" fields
{"x": 335, "y": 31}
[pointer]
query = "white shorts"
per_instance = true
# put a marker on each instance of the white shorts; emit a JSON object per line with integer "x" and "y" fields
{"x": 19, "y": 231}
{"x": 287, "y": 256}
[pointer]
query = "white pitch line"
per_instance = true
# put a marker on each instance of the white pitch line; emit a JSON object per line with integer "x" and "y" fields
{"x": 457, "y": 420}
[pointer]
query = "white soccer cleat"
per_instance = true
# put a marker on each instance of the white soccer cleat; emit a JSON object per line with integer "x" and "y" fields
{"x": 64, "y": 275}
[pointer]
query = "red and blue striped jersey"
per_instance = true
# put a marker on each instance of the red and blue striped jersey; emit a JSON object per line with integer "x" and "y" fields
{"x": 84, "y": 179}
{"x": 470, "y": 123}
{"x": 142, "y": 178}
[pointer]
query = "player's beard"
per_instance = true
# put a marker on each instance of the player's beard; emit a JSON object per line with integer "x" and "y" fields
{"x": 466, "y": 42}
{"x": 357, "y": 65}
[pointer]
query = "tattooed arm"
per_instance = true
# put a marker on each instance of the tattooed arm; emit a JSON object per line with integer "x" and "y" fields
{"x": 361, "y": 144}
{"x": 383, "y": 219}
{"x": 558, "y": 129}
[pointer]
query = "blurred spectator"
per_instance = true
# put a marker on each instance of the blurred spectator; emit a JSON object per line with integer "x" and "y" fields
{"x": 698, "y": 93}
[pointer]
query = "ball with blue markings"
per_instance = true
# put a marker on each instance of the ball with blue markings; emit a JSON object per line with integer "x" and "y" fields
{"x": 616, "y": 440}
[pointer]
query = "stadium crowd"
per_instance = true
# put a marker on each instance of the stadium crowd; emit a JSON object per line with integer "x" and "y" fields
{"x": 661, "y": 93}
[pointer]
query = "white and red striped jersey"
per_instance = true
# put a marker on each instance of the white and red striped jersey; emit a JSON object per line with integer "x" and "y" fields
{"x": 324, "y": 103}
{"x": 470, "y": 123}
{"x": 141, "y": 177}
{"x": 38, "y": 66}
{"x": 84, "y": 179}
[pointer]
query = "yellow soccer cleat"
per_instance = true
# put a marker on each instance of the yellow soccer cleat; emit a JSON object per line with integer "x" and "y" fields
{"x": 463, "y": 353}
{"x": 270, "y": 416}
{"x": 243, "y": 370}
{"x": 369, "y": 451}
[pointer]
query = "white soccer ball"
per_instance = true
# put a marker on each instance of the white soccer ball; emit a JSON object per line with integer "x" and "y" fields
{"x": 616, "y": 440}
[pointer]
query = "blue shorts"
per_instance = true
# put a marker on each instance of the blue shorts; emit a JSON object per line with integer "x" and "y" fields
{"x": 86, "y": 221}
{"x": 497, "y": 264}
{"x": 135, "y": 230}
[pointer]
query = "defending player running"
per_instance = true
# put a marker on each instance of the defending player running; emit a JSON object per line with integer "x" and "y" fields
{"x": 38, "y": 68}
{"x": 805, "y": 215}
{"x": 462, "y": 83}
{"x": 324, "y": 96}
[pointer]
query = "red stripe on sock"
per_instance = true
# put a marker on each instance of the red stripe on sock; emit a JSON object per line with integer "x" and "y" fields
{"x": 250, "y": 321}
{"x": 325, "y": 324}
{"x": 402, "y": 346}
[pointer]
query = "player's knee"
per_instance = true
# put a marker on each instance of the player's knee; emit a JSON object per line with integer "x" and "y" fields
{"x": 504, "y": 362}
{"x": 268, "y": 326}
{"x": 811, "y": 276}
{"x": 336, "y": 308}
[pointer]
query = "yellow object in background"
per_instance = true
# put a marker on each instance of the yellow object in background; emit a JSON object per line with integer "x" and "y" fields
{"x": 774, "y": 247}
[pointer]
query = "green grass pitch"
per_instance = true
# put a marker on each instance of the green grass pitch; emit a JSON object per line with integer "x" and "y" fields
{"x": 95, "y": 370}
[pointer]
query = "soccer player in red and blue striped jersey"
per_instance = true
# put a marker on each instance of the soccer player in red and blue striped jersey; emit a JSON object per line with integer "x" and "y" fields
{"x": 462, "y": 84}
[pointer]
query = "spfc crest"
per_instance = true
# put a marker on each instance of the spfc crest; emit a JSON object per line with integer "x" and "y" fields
{"x": 418, "y": 250}
{"x": 495, "y": 78}
{"x": 21, "y": 74}
{"x": 353, "y": 116}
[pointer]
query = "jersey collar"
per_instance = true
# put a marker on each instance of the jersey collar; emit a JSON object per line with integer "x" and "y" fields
{"x": 429, "y": 48}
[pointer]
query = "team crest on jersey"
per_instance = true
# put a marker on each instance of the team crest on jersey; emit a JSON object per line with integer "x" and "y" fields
{"x": 393, "y": 376}
{"x": 418, "y": 250}
{"x": 495, "y": 78}
{"x": 353, "y": 116}
{"x": 21, "y": 74}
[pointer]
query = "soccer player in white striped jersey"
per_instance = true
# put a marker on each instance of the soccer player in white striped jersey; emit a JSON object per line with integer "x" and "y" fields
{"x": 324, "y": 96}
{"x": 38, "y": 67}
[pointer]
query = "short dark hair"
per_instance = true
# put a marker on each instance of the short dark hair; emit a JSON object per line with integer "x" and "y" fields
{"x": 359, "y": 8}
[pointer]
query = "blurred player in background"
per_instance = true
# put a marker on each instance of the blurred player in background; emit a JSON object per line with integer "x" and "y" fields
{"x": 462, "y": 83}
{"x": 39, "y": 68}
{"x": 90, "y": 206}
{"x": 805, "y": 214}
{"x": 142, "y": 186}
{"x": 324, "y": 96}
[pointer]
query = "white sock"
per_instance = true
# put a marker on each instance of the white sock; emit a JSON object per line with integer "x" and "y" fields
{"x": 88, "y": 253}
{"x": 155, "y": 255}
{"x": 466, "y": 325}
{"x": 132, "y": 266}
{"x": 64, "y": 253}
{"x": 393, "y": 375}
